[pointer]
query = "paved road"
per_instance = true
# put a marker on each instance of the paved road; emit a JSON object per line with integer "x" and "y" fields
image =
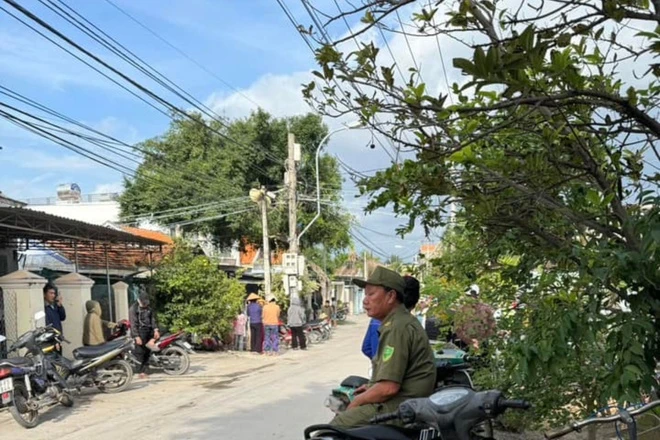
{"x": 227, "y": 396}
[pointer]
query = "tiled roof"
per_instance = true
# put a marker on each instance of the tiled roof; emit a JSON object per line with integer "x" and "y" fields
{"x": 250, "y": 252}
{"x": 119, "y": 257}
{"x": 152, "y": 235}
{"x": 429, "y": 249}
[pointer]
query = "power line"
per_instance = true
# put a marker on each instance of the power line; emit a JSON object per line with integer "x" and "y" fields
{"x": 69, "y": 145}
{"x": 181, "y": 52}
{"x": 109, "y": 141}
{"x": 141, "y": 65}
{"x": 165, "y": 103}
{"x": 442, "y": 60}
{"x": 325, "y": 36}
{"x": 412, "y": 54}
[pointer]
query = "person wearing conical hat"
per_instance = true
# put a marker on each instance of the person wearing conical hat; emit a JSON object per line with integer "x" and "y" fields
{"x": 254, "y": 312}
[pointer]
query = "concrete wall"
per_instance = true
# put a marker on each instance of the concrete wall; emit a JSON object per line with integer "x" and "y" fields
{"x": 22, "y": 297}
{"x": 75, "y": 290}
{"x": 95, "y": 213}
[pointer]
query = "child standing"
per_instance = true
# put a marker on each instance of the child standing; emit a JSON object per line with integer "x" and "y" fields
{"x": 239, "y": 331}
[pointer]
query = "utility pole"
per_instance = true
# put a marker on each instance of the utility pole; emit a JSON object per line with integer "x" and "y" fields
{"x": 262, "y": 198}
{"x": 291, "y": 183}
{"x": 266, "y": 245}
{"x": 292, "y": 264}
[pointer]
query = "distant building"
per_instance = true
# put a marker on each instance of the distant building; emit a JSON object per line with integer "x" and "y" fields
{"x": 101, "y": 209}
{"x": 70, "y": 203}
{"x": 6, "y": 201}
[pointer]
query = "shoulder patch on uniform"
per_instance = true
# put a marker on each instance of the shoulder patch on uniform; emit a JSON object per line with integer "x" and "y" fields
{"x": 388, "y": 351}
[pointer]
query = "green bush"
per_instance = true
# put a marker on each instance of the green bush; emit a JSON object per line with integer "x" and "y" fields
{"x": 194, "y": 295}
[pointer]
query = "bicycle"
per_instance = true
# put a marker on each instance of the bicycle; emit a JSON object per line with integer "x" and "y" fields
{"x": 624, "y": 416}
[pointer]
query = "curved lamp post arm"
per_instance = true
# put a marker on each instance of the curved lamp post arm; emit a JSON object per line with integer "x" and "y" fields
{"x": 318, "y": 177}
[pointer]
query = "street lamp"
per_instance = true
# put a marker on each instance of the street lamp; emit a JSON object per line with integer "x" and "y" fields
{"x": 350, "y": 126}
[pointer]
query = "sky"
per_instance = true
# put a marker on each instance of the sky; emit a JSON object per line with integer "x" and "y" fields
{"x": 246, "y": 54}
{"x": 254, "y": 56}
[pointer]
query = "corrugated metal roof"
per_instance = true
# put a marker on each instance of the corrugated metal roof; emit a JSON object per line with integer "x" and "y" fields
{"x": 35, "y": 225}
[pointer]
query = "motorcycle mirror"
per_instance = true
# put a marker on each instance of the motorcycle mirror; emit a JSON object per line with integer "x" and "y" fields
{"x": 3, "y": 338}
{"x": 40, "y": 315}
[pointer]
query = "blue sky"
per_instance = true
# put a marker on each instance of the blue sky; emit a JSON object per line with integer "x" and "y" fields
{"x": 249, "y": 44}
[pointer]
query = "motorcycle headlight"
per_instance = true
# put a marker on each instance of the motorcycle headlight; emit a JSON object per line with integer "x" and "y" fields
{"x": 449, "y": 396}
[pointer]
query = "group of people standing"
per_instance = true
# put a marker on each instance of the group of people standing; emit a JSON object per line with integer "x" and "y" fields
{"x": 264, "y": 324}
{"x": 142, "y": 318}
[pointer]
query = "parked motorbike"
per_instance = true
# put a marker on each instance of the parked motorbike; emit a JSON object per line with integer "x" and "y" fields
{"x": 30, "y": 384}
{"x": 342, "y": 314}
{"x": 286, "y": 335}
{"x": 452, "y": 413}
{"x": 173, "y": 355}
{"x": 451, "y": 365}
{"x": 100, "y": 366}
{"x": 320, "y": 330}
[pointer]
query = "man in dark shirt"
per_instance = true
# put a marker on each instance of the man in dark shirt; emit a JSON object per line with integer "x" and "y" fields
{"x": 143, "y": 329}
{"x": 55, "y": 312}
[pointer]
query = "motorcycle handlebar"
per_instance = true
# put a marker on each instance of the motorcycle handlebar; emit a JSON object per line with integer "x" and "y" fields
{"x": 601, "y": 420}
{"x": 514, "y": 404}
{"x": 385, "y": 417}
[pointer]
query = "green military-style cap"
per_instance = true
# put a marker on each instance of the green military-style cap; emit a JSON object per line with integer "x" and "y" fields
{"x": 384, "y": 277}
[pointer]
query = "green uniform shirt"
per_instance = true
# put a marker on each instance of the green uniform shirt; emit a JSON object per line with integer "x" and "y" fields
{"x": 404, "y": 356}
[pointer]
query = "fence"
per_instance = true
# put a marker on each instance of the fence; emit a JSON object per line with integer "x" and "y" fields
{"x": 84, "y": 198}
{"x": 8, "y": 317}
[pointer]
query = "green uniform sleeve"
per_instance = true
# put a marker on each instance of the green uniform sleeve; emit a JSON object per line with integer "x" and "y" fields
{"x": 393, "y": 355}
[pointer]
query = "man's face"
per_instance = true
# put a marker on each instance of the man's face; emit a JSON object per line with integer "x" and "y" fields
{"x": 378, "y": 301}
{"x": 49, "y": 296}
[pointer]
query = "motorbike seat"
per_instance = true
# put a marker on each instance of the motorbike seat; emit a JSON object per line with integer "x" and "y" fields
{"x": 371, "y": 432}
{"x": 98, "y": 350}
{"x": 316, "y": 323}
{"x": 354, "y": 382}
{"x": 16, "y": 362}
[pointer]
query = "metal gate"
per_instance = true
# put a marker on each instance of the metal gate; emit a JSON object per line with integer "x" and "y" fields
{"x": 8, "y": 319}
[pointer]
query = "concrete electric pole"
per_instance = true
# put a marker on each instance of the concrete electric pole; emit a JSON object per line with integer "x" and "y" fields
{"x": 293, "y": 263}
{"x": 261, "y": 197}
{"x": 291, "y": 181}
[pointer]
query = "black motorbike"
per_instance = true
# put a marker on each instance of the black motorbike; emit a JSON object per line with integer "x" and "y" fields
{"x": 30, "y": 384}
{"x": 452, "y": 413}
{"x": 101, "y": 366}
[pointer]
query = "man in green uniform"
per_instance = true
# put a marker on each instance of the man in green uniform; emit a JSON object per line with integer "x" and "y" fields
{"x": 403, "y": 367}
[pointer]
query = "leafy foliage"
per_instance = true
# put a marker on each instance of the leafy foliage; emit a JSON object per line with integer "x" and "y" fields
{"x": 548, "y": 146}
{"x": 220, "y": 163}
{"x": 194, "y": 295}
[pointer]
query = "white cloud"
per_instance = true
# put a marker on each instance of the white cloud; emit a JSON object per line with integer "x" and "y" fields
{"x": 35, "y": 159}
{"x": 280, "y": 95}
{"x": 38, "y": 60}
{"x": 117, "y": 128}
{"x": 112, "y": 187}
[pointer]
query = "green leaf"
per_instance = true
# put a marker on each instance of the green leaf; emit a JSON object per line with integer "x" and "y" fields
{"x": 463, "y": 155}
{"x": 465, "y": 65}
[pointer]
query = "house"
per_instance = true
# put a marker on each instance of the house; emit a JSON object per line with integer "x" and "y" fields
{"x": 24, "y": 230}
{"x": 343, "y": 288}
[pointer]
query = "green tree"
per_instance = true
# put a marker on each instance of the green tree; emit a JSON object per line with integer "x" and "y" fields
{"x": 217, "y": 165}
{"x": 192, "y": 294}
{"x": 546, "y": 146}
